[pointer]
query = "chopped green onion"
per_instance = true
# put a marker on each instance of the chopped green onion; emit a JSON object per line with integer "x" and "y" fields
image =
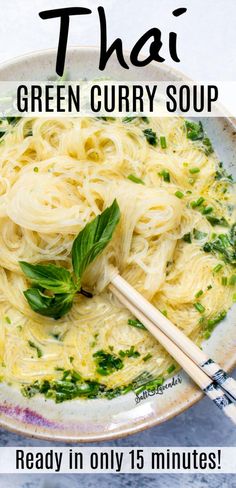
{"x": 208, "y": 149}
{"x": 136, "y": 323}
{"x": 224, "y": 280}
{"x": 147, "y": 357}
{"x": 199, "y": 293}
{"x": 193, "y": 171}
{"x": 207, "y": 210}
{"x": 107, "y": 363}
{"x": 33, "y": 345}
{"x": 165, "y": 175}
{"x": 8, "y": 320}
{"x": 131, "y": 119}
{"x": 135, "y": 179}
{"x": 211, "y": 323}
{"x": 187, "y": 238}
{"x": 232, "y": 280}
{"x": 145, "y": 119}
{"x": 217, "y": 221}
{"x": 129, "y": 353}
{"x": 36, "y": 170}
{"x": 224, "y": 239}
{"x": 198, "y": 234}
{"x": 195, "y": 130}
{"x": 217, "y": 268}
{"x": 171, "y": 369}
{"x": 163, "y": 142}
{"x": 179, "y": 194}
{"x": 164, "y": 312}
{"x": 151, "y": 137}
{"x": 197, "y": 203}
{"x": 199, "y": 307}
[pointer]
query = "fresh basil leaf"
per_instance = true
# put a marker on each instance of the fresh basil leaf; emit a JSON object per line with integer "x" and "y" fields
{"x": 54, "y": 307}
{"x": 94, "y": 238}
{"x": 49, "y": 276}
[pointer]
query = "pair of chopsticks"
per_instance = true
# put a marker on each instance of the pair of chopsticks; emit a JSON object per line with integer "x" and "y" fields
{"x": 207, "y": 374}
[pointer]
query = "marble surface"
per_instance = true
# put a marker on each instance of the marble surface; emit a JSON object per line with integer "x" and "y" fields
{"x": 207, "y": 47}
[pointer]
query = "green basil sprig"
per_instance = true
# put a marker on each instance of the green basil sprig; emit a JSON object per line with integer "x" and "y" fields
{"x": 54, "y": 287}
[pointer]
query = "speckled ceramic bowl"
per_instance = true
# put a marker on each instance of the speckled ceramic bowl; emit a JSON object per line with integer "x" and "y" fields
{"x": 96, "y": 420}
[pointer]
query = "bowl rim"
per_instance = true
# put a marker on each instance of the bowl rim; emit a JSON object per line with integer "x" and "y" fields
{"x": 192, "y": 397}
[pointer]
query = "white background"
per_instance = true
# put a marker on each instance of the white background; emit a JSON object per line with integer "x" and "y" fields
{"x": 207, "y": 32}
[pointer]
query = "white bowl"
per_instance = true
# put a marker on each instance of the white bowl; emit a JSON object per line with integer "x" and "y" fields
{"x": 95, "y": 420}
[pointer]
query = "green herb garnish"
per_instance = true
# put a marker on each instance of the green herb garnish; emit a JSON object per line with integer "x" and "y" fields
{"x": 206, "y": 210}
{"x": 224, "y": 245}
{"x": 171, "y": 369}
{"x": 129, "y": 353}
{"x": 150, "y": 386}
{"x": 71, "y": 385}
{"x": 151, "y": 137}
{"x": 12, "y": 120}
{"x": 197, "y": 203}
{"x": 221, "y": 174}
{"x": 198, "y": 234}
{"x": 136, "y": 323}
{"x": 211, "y": 323}
{"x": 232, "y": 280}
{"x": 194, "y": 171}
{"x": 217, "y": 268}
{"x": 199, "y": 294}
{"x": 217, "y": 221}
{"x": 147, "y": 357}
{"x": 135, "y": 179}
{"x": 106, "y": 118}
{"x": 199, "y": 307}
{"x": 37, "y": 349}
{"x": 208, "y": 148}
{"x": 107, "y": 363}
{"x": 54, "y": 287}
{"x": 195, "y": 132}
{"x": 187, "y": 238}
{"x": 165, "y": 175}
{"x": 163, "y": 142}
{"x": 179, "y": 194}
{"x": 131, "y": 119}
